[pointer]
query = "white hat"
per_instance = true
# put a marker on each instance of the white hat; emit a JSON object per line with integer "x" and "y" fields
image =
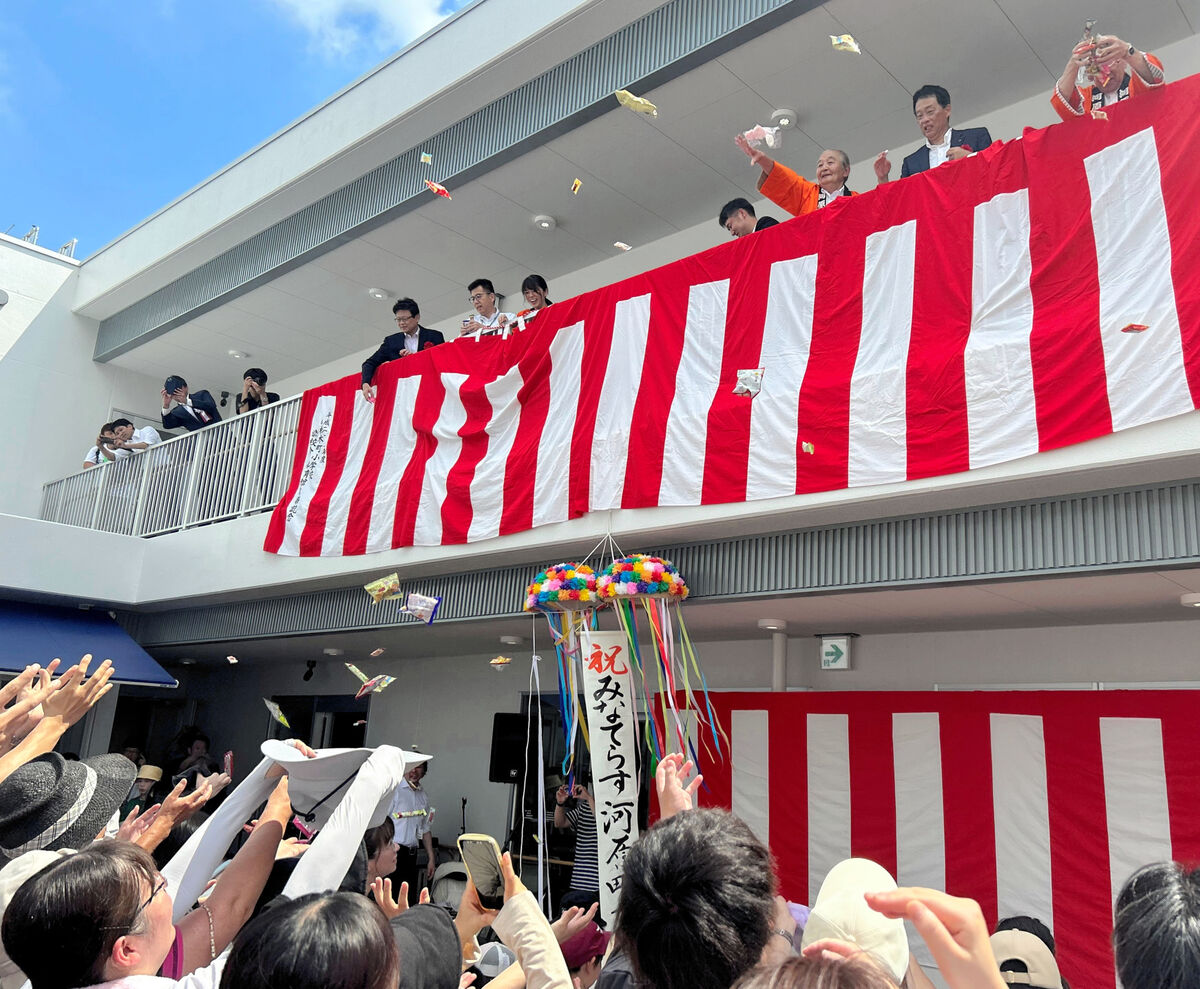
{"x": 12, "y": 877}
{"x": 493, "y": 959}
{"x": 316, "y": 786}
{"x": 1041, "y": 969}
{"x": 841, "y": 912}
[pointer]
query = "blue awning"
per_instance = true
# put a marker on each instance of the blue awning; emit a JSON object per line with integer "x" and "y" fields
{"x": 34, "y": 633}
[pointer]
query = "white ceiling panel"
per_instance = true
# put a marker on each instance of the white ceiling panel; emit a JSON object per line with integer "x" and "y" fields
{"x": 703, "y": 86}
{"x": 365, "y": 263}
{"x": 1053, "y": 29}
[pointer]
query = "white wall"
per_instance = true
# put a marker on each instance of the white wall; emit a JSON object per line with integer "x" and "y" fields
{"x": 31, "y": 276}
{"x": 53, "y": 396}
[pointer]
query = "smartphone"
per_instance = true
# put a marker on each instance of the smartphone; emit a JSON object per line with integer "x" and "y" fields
{"x": 228, "y": 764}
{"x": 481, "y": 856}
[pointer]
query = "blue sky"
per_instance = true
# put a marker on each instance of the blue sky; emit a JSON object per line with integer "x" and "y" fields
{"x": 110, "y": 109}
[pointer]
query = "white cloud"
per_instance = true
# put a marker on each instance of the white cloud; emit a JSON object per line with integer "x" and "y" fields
{"x": 341, "y": 27}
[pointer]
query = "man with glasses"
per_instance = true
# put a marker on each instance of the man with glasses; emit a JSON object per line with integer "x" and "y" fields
{"x": 411, "y": 339}
{"x": 487, "y": 318}
{"x": 943, "y": 143}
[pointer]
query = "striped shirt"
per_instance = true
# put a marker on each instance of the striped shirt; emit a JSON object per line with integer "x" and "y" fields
{"x": 586, "y": 874}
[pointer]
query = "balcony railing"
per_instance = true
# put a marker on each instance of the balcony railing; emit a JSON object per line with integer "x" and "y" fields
{"x": 238, "y": 467}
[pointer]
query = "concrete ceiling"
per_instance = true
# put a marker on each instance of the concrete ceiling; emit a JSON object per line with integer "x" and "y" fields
{"x": 1062, "y": 601}
{"x": 645, "y": 179}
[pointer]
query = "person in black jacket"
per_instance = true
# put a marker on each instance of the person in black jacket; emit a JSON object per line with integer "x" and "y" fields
{"x": 411, "y": 339}
{"x": 192, "y": 411}
{"x": 943, "y": 143}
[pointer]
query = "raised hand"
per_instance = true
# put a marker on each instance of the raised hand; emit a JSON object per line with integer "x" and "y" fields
{"x": 673, "y": 796}
{"x": 572, "y": 921}
{"x": 76, "y": 692}
{"x": 954, "y": 929}
{"x": 137, "y": 822}
{"x": 25, "y": 693}
{"x": 381, "y": 892}
{"x": 763, "y": 161}
{"x": 883, "y": 168}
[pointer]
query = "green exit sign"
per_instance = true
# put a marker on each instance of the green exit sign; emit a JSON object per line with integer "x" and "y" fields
{"x": 835, "y": 652}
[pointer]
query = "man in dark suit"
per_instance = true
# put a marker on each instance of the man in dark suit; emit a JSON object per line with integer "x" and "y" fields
{"x": 412, "y": 339}
{"x": 931, "y": 107}
{"x": 192, "y": 411}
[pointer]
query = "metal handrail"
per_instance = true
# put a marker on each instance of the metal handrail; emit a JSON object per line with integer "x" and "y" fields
{"x": 237, "y": 467}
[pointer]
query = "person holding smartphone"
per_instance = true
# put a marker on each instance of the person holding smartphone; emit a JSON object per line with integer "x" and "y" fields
{"x": 576, "y": 809}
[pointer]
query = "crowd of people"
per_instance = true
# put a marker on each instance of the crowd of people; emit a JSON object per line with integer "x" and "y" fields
{"x": 1100, "y": 71}
{"x": 91, "y": 899}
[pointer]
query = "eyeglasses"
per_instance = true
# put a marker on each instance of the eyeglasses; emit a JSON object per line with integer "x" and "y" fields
{"x": 478, "y": 295}
{"x": 158, "y": 888}
{"x": 405, "y": 319}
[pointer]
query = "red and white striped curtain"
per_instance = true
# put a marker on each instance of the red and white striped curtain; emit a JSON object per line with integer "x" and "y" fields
{"x": 970, "y": 315}
{"x": 1040, "y": 803}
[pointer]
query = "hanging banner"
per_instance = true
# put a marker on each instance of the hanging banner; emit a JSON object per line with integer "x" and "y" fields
{"x": 612, "y": 725}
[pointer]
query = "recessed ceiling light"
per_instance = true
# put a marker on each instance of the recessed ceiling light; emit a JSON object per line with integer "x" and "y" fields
{"x": 241, "y": 355}
{"x": 511, "y": 640}
{"x": 784, "y": 118}
{"x": 377, "y": 293}
{"x": 544, "y": 221}
{"x": 187, "y": 661}
{"x": 772, "y": 624}
{"x": 1190, "y": 600}
{"x": 330, "y": 651}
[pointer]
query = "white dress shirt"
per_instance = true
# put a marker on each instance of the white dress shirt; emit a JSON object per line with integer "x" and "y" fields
{"x": 411, "y": 814}
{"x": 147, "y": 434}
{"x": 939, "y": 153}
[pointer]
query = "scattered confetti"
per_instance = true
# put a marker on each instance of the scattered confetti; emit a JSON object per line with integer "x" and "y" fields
{"x": 359, "y": 723}
{"x": 845, "y": 43}
{"x": 426, "y": 158}
{"x": 500, "y": 663}
{"x": 377, "y": 652}
{"x": 276, "y": 712}
{"x": 576, "y": 186}
{"x": 1099, "y": 115}
{"x": 620, "y": 245}
{"x": 422, "y": 606}
{"x": 807, "y": 447}
{"x": 372, "y": 685}
{"x": 232, "y": 660}
{"x": 636, "y": 103}
{"x": 1135, "y": 328}
{"x": 749, "y": 381}
{"x": 437, "y": 189}
{"x": 384, "y": 586}
{"x": 758, "y": 134}
{"x": 302, "y": 827}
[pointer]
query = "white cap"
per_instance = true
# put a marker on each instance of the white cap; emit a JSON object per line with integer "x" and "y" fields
{"x": 841, "y": 912}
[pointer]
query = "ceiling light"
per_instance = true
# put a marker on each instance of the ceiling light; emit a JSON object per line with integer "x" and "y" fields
{"x": 1190, "y": 600}
{"x": 331, "y": 651}
{"x": 544, "y": 221}
{"x": 510, "y": 640}
{"x": 772, "y": 624}
{"x": 377, "y": 293}
{"x": 784, "y": 118}
{"x": 187, "y": 661}
{"x": 241, "y": 355}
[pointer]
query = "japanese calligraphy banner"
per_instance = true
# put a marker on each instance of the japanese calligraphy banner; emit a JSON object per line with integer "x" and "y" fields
{"x": 1040, "y": 293}
{"x": 612, "y": 726}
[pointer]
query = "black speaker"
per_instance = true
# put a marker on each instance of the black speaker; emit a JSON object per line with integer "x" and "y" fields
{"x": 507, "y": 764}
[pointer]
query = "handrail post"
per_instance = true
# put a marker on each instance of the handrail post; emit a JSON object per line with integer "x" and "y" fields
{"x": 189, "y": 487}
{"x": 139, "y": 510}
{"x": 100, "y": 489}
{"x": 251, "y": 468}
